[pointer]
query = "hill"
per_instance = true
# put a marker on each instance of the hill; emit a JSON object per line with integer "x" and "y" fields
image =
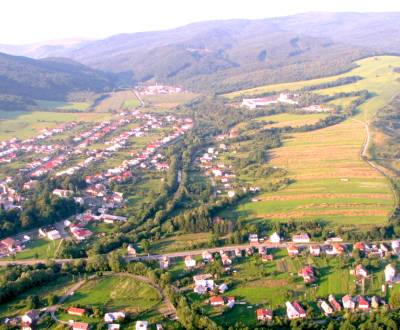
{"x": 23, "y": 79}
{"x": 235, "y": 54}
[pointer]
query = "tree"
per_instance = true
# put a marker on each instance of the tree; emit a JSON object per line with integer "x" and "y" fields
{"x": 33, "y": 302}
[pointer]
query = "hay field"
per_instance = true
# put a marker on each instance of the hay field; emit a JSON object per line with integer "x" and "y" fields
{"x": 332, "y": 181}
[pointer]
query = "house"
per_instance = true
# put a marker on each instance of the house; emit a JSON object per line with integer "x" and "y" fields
{"x": 390, "y": 273}
{"x": 334, "y": 303}
{"x": 217, "y": 301}
{"x": 159, "y": 327}
{"x": 131, "y": 250}
{"x": 359, "y": 246}
{"x": 348, "y": 302}
{"x": 76, "y": 311}
{"x": 80, "y": 326}
{"x": 222, "y": 288}
{"x": 267, "y": 257}
{"x": 363, "y": 304}
{"x": 200, "y": 289}
{"x": 230, "y": 301}
{"x": 231, "y": 193}
{"x": 307, "y": 273}
{"x": 294, "y": 310}
{"x": 10, "y": 244}
{"x": 30, "y": 317}
{"x": 360, "y": 271}
{"x": 190, "y": 262}
{"x": 110, "y": 218}
{"x": 164, "y": 262}
{"x": 301, "y": 238}
{"x": 204, "y": 280}
{"x": 112, "y": 317}
{"x": 53, "y": 235}
{"x": 275, "y": 238}
{"x": 226, "y": 261}
{"x": 238, "y": 252}
{"x": 141, "y": 325}
{"x": 328, "y": 310}
{"x": 63, "y": 193}
{"x": 293, "y": 250}
{"x": 315, "y": 250}
{"x": 113, "y": 326}
{"x": 264, "y": 314}
{"x": 207, "y": 256}
{"x": 375, "y": 302}
{"x": 80, "y": 233}
{"x": 253, "y": 239}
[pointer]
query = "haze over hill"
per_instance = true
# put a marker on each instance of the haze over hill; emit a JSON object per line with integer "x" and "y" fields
{"x": 225, "y": 55}
{"x": 216, "y": 56}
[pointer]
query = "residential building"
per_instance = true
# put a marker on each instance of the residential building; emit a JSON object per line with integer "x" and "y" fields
{"x": 275, "y": 238}
{"x": 301, "y": 238}
{"x": 76, "y": 311}
{"x": 217, "y": 301}
{"x": 328, "y": 310}
{"x": 112, "y": 317}
{"x": 80, "y": 326}
{"x": 315, "y": 250}
{"x": 264, "y": 314}
{"x": 363, "y": 304}
{"x": 141, "y": 325}
{"x": 190, "y": 262}
{"x": 30, "y": 317}
{"x": 360, "y": 271}
{"x": 334, "y": 303}
{"x": 293, "y": 250}
{"x": 390, "y": 273}
{"x": 348, "y": 302}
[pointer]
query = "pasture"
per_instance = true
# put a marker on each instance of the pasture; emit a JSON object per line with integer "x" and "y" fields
{"x": 331, "y": 180}
{"x": 118, "y": 101}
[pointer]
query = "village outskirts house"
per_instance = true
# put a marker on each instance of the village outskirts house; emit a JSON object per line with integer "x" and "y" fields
{"x": 80, "y": 326}
{"x": 264, "y": 314}
{"x": 390, "y": 273}
{"x": 301, "y": 238}
{"x": 76, "y": 311}
{"x": 275, "y": 238}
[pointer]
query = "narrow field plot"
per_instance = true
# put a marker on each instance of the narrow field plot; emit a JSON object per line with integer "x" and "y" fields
{"x": 331, "y": 181}
{"x": 118, "y": 101}
{"x": 168, "y": 101}
{"x": 48, "y": 105}
{"x": 291, "y": 119}
{"x": 179, "y": 242}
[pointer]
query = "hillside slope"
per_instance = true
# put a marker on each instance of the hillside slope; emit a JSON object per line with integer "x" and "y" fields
{"x": 22, "y": 78}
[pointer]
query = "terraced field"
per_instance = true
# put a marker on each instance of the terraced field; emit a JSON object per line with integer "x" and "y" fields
{"x": 332, "y": 181}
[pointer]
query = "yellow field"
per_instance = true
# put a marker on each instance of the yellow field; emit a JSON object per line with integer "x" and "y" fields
{"x": 332, "y": 181}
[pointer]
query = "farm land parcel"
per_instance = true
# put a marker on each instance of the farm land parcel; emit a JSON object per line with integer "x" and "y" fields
{"x": 331, "y": 180}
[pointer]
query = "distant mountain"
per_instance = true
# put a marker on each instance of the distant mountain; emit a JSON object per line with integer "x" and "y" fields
{"x": 23, "y": 79}
{"x": 220, "y": 56}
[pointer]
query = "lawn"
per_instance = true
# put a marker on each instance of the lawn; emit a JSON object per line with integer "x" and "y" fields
{"x": 330, "y": 179}
{"x": 39, "y": 248}
{"x": 115, "y": 293}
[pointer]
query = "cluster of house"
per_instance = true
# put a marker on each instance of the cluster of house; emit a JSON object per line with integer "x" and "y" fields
{"x": 222, "y": 174}
{"x": 265, "y": 101}
{"x": 9, "y": 197}
{"x": 9, "y": 246}
{"x": 9, "y": 150}
{"x": 204, "y": 283}
{"x": 160, "y": 89}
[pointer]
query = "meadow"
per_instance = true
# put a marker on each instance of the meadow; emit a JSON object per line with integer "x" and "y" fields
{"x": 118, "y": 101}
{"x": 116, "y": 292}
{"x": 331, "y": 180}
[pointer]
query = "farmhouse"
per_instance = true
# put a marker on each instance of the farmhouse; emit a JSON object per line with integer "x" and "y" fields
{"x": 390, "y": 273}
{"x": 9, "y": 244}
{"x": 334, "y": 303}
{"x": 190, "y": 262}
{"x": 301, "y": 238}
{"x": 360, "y": 271}
{"x": 80, "y": 326}
{"x": 275, "y": 238}
{"x": 253, "y": 238}
{"x": 112, "y": 317}
{"x": 30, "y": 317}
{"x": 110, "y": 218}
{"x": 76, "y": 311}
{"x": 264, "y": 314}
{"x": 63, "y": 193}
{"x": 363, "y": 304}
{"x": 348, "y": 302}
{"x": 307, "y": 273}
{"x": 217, "y": 301}
{"x": 80, "y": 233}
{"x": 294, "y": 310}
{"x": 293, "y": 250}
{"x": 326, "y": 308}
{"x": 315, "y": 250}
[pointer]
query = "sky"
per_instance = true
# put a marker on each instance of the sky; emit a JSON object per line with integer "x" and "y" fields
{"x": 31, "y": 21}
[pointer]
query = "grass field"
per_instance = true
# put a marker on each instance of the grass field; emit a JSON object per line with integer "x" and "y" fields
{"x": 39, "y": 248}
{"x": 331, "y": 181}
{"x": 49, "y": 105}
{"x": 24, "y": 124}
{"x": 180, "y": 242}
{"x": 168, "y": 101}
{"x": 118, "y": 101}
{"x": 116, "y": 293}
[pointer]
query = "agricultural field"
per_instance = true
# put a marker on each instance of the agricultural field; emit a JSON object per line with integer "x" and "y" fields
{"x": 40, "y": 248}
{"x": 23, "y": 124}
{"x": 180, "y": 242}
{"x": 117, "y": 292}
{"x": 118, "y": 101}
{"x": 60, "y": 105}
{"x": 331, "y": 180}
{"x": 168, "y": 101}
